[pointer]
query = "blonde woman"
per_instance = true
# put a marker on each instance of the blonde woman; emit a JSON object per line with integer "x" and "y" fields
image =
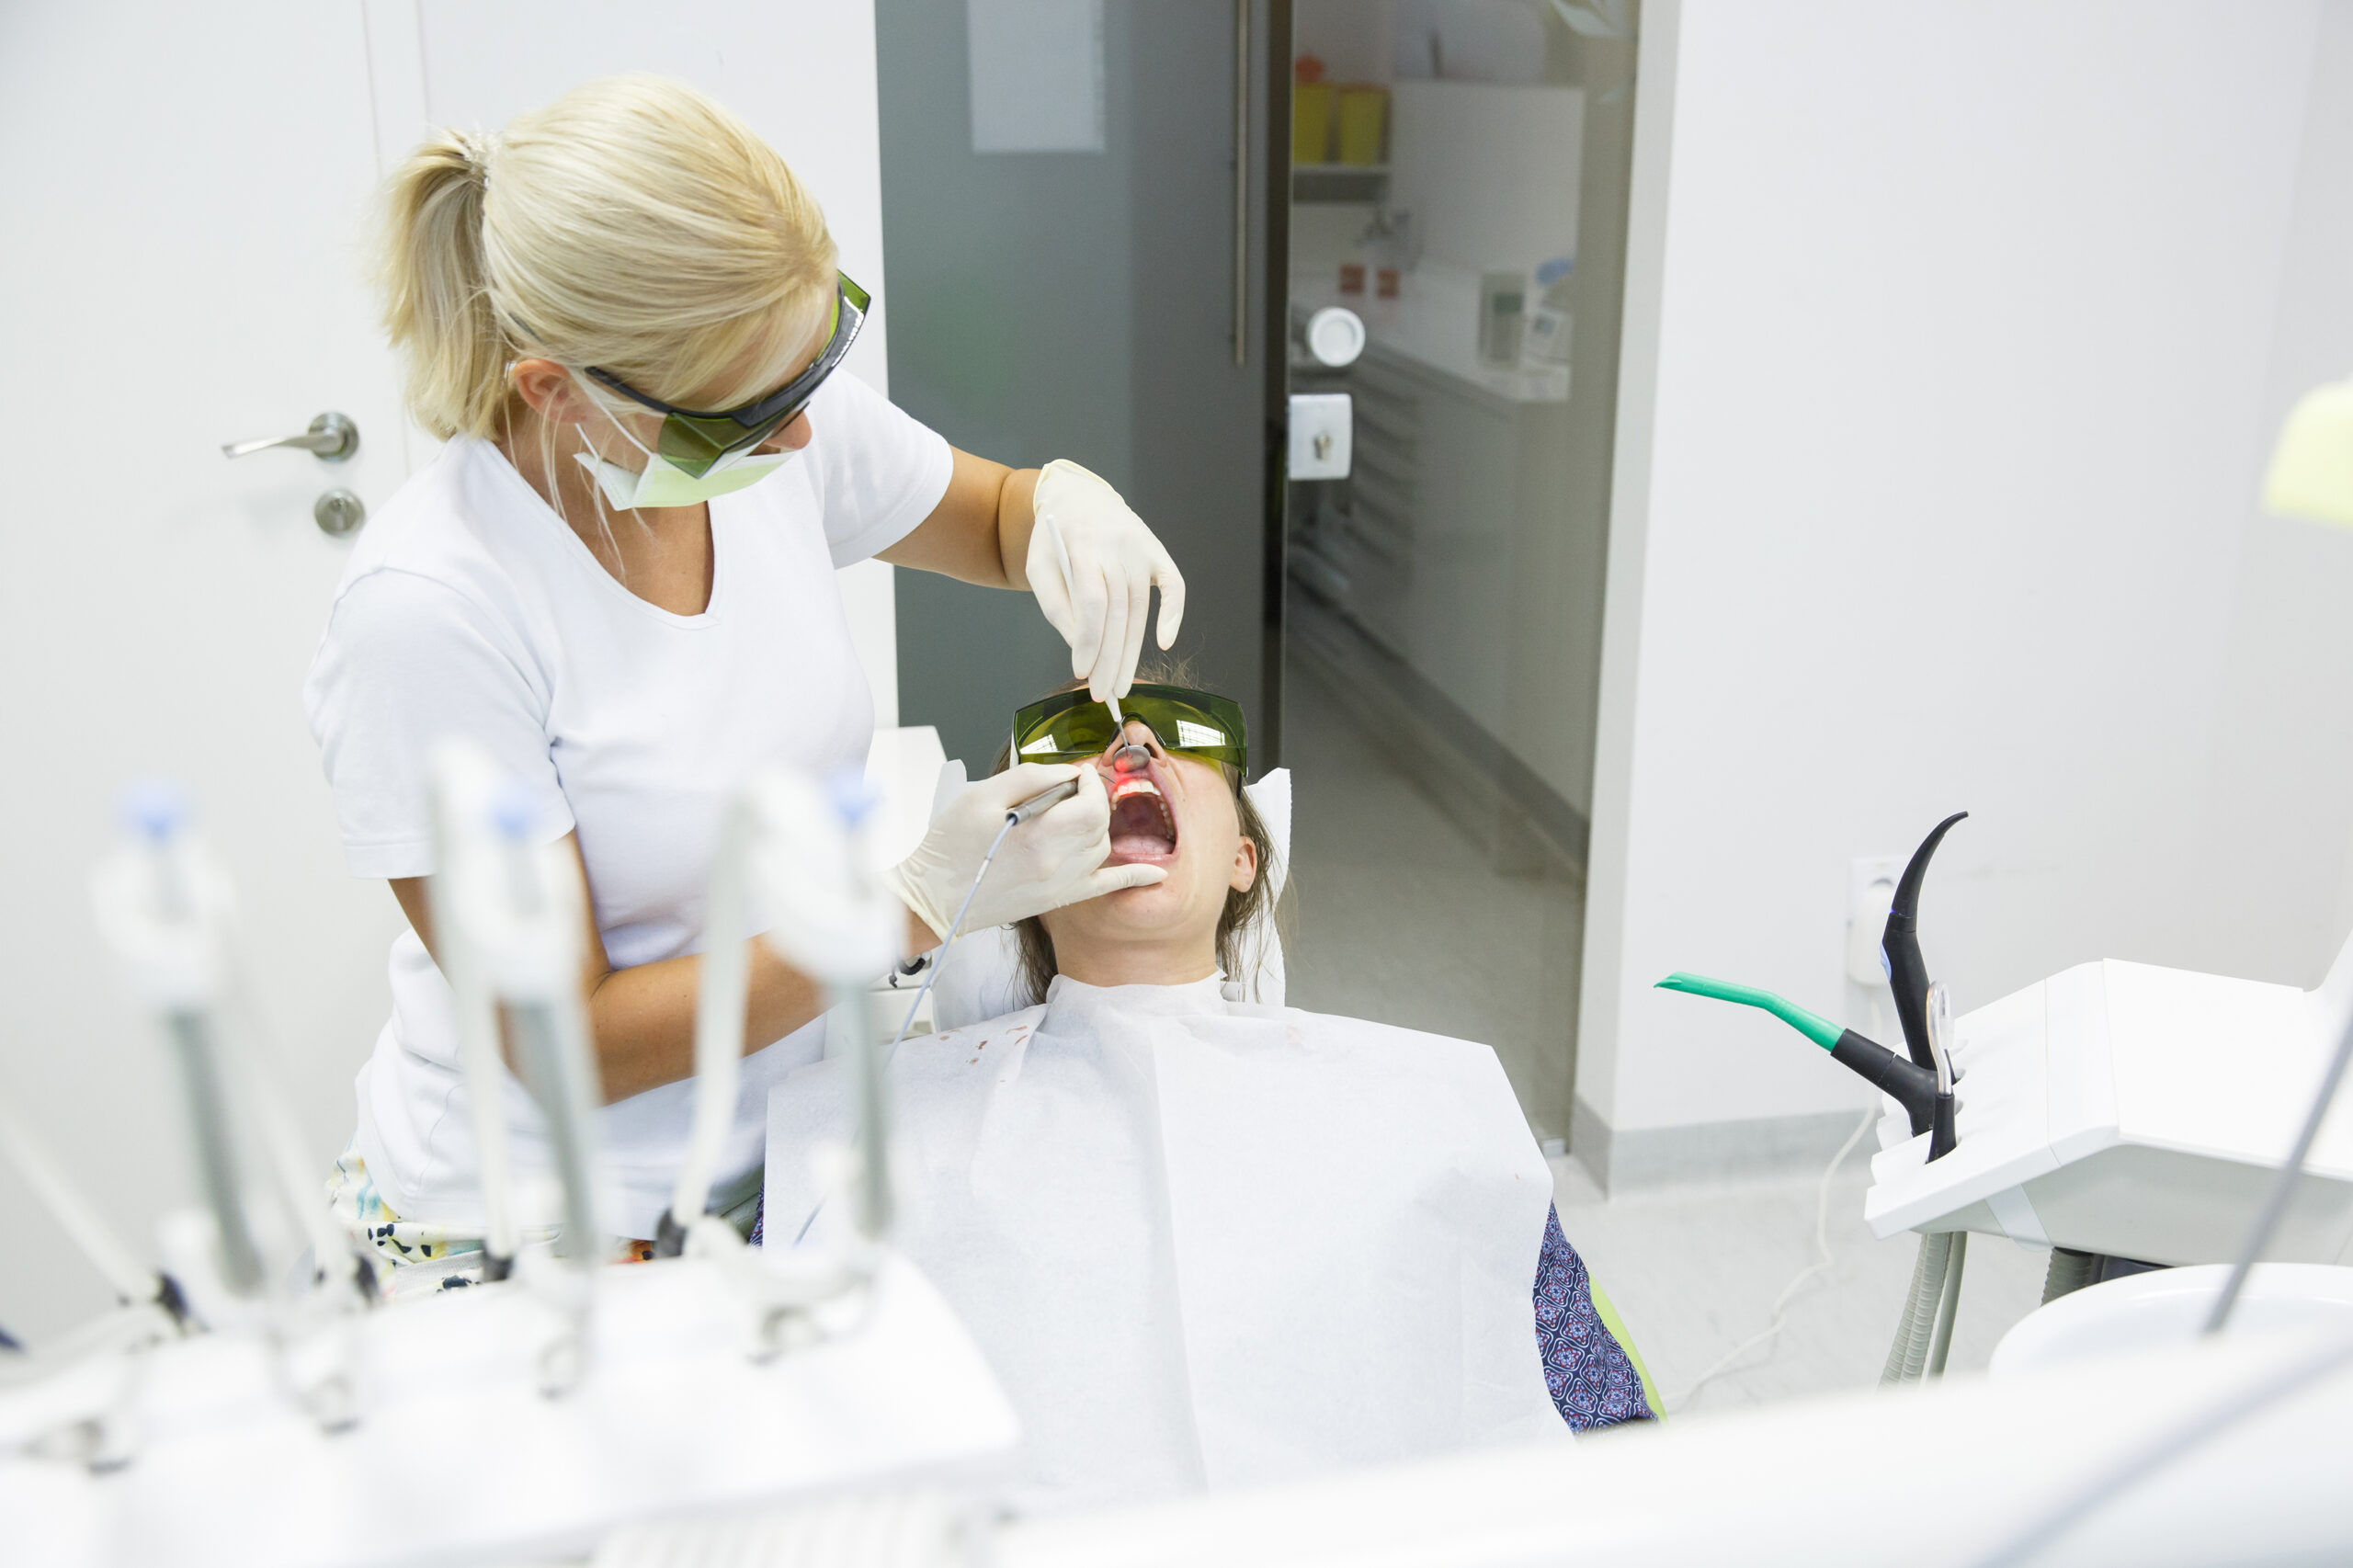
{"x": 624, "y": 315}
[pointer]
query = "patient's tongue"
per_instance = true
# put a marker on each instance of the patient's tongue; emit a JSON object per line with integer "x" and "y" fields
{"x": 1137, "y": 829}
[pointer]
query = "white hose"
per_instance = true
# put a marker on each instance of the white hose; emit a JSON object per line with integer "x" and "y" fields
{"x": 1789, "y": 1292}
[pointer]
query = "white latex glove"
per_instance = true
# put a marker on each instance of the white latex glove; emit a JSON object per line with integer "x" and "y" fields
{"x": 1046, "y": 863}
{"x": 1093, "y": 565}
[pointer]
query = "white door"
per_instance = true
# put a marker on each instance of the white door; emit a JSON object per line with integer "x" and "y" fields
{"x": 190, "y": 189}
{"x": 187, "y": 187}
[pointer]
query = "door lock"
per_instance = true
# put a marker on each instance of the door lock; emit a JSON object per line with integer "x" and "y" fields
{"x": 338, "y": 513}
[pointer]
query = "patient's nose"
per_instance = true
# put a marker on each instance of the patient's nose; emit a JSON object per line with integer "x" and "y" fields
{"x": 1134, "y": 755}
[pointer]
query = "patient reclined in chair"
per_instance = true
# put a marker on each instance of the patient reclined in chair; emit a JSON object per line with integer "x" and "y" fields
{"x": 1206, "y": 1240}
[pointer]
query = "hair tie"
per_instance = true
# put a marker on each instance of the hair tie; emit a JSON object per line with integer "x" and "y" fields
{"x": 476, "y": 146}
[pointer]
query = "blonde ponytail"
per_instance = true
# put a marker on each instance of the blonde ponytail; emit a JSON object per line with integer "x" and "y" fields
{"x": 436, "y": 299}
{"x": 632, "y": 224}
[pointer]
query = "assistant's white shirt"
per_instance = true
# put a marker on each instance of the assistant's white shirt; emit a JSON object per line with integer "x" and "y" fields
{"x": 1206, "y": 1243}
{"x": 469, "y": 607}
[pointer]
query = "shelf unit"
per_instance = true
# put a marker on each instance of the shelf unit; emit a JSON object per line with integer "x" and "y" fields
{"x": 1339, "y": 182}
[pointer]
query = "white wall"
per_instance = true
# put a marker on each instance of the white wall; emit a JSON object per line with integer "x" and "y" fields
{"x": 1956, "y": 336}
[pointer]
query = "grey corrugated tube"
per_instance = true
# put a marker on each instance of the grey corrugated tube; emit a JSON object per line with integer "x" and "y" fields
{"x": 1909, "y": 1353}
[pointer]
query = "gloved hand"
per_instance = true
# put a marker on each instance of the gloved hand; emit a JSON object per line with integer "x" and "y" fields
{"x": 1093, "y": 565}
{"x": 1046, "y": 863}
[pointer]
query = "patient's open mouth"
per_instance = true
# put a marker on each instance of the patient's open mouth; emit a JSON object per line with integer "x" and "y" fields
{"x": 1142, "y": 827}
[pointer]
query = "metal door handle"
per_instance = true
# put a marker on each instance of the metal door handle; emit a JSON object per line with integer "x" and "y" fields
{"x": 1242, "y": 181}
{"x": 332, "y": 438}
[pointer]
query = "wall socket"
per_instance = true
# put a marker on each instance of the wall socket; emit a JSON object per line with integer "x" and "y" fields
{"x": 1870, "y": 886}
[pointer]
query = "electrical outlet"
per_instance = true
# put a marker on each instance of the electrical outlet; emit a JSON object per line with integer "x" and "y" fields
{"x": 1870, "y": 888}
{"x": 1322, "y": 428}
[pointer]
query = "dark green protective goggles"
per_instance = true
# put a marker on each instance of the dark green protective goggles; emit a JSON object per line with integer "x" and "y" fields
{"x": 1071, "y": 726}
{"x": 693, "y": 441}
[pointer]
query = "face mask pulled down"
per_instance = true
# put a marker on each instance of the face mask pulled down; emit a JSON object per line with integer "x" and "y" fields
{"x": 665, "y": 484}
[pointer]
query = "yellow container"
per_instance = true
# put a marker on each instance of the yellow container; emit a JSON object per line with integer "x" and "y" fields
{"x": 1311, "y": 122}
{"x": 1364, "y": 116}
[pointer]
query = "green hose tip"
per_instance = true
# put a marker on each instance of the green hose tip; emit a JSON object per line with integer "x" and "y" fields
{"x": 1819, "y": 1029}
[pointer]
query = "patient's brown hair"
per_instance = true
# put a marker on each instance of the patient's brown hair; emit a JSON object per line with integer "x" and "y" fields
{"x": 1235, "y": 955}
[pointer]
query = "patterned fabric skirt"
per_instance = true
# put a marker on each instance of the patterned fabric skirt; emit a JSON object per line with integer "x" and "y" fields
{"x": 1590, "y": 1365}
{"x": 414, "y": 1258}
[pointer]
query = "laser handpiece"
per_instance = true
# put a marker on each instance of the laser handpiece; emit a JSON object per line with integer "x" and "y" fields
{"x": 1035, "y": 806}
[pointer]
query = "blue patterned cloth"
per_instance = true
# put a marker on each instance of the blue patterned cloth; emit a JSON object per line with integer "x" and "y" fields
{"x": 1592, "y": 1379}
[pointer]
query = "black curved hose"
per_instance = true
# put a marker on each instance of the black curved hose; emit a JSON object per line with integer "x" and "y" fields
{"x": 1907, "y": 973}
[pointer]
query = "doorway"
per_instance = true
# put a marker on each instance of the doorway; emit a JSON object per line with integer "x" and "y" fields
{"x": 1459, "y": 185}
{"x": 1084, "y": 217}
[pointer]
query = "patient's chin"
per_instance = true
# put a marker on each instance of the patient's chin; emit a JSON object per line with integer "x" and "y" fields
{"x": 1153, "y": 912}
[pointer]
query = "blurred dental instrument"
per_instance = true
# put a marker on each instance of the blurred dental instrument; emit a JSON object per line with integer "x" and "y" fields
{"x": 805, "y": 852}
{"x": 162, "y": 905}
{"x": 258, "y": 1444}
{"x": 168, "y": 912}
{"x": 464, "y": 781}
{"x": 514, "y": 908}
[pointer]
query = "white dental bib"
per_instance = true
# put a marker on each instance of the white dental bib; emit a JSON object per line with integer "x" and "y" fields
{"x": 1208, "y": 1242}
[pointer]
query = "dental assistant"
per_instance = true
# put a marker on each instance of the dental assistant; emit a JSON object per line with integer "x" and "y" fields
{"x": 624, "y": 315}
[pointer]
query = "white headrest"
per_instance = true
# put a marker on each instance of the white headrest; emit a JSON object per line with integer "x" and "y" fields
{"x": 980, "y": 974}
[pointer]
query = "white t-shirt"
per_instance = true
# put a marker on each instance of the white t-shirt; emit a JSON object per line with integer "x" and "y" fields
{"x": 471, "y": 609}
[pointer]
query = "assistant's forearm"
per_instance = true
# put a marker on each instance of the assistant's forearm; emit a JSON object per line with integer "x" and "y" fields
{"x": 1017, "y": 518}
{"x": 643, "y": 1018}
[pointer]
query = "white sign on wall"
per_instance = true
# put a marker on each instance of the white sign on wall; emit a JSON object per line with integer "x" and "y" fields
{"x": 1036, "y": 74}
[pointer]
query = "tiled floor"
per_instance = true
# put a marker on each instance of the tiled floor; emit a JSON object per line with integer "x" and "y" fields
{"x": 1400, "y": 919}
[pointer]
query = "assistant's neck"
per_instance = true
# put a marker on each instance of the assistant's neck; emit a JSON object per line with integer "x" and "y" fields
{"x": 666, "y": 558}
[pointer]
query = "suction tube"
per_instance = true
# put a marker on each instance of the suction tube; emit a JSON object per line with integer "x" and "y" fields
{"x": 1911, "y": 1087}
{"x": 1907, "y": 973}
